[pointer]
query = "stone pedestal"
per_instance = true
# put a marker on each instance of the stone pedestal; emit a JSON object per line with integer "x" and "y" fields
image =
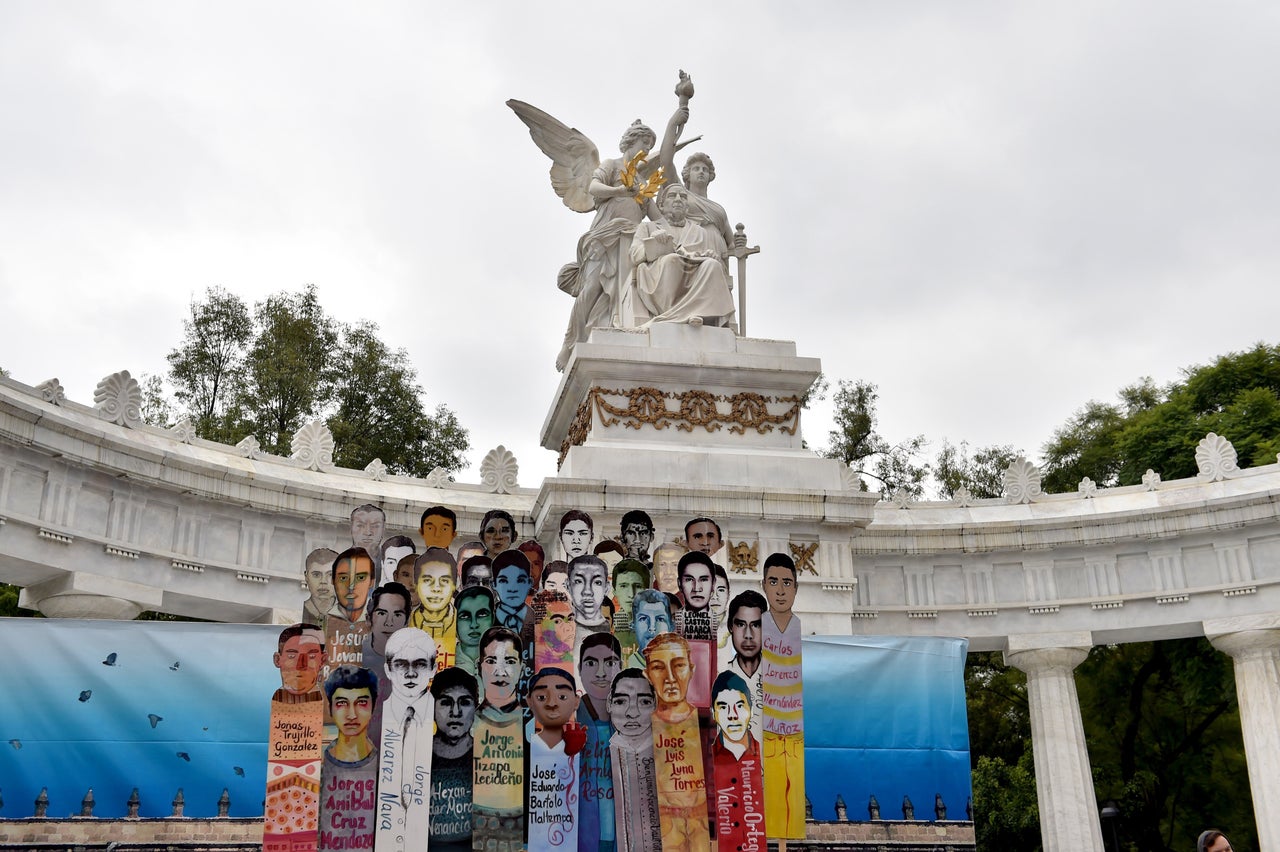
{"x": 1254, "y": 645}
{"x": 684, "y": 405}
{"x": 683, "y": 421}
{"x": 1064, "y": 784}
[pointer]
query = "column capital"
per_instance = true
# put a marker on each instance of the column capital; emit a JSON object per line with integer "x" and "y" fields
{"x": 81, "y": 595}
{"x": 1248, "y": 644}
{"x": 1041, "y": 652}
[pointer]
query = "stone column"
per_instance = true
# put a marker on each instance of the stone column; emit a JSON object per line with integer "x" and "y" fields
{"x": 1254, "y": 645}
{"x": 1064, "y": 785}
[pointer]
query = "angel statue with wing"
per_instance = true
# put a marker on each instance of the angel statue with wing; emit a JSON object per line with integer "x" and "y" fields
{"x": 620, "y": 191}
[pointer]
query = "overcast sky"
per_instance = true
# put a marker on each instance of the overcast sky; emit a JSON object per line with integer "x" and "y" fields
{"x": 993, "y": 211}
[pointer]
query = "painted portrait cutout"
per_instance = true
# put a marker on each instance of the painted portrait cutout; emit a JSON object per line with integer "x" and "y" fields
{"x": 696, "y": 573}
{"x": 599, "y": 662}
{"x": 677, "y": 747}
{"x": 294, "y": 741}
{"x": 438, "y": 527}
{"x": 635, "y": 782}
{"x": 512, "y": 581}
{"x": 466, "y": 551}
{"x": 368, "y": 525}
{"x": 555, "y": 632}
{"x": 498, "y": 777}
{"x": 350, "y": 773}
{"x": 636, "y": 534}
{"x": 588, "y": 593}
{"x": 497, "y": 532}
{"x": 476, "y": 571}
{"x": 783, "y": 748}
{"x": 537, "y": 558}
{"x": 630, "y": 577}
{"x": 404, "y": 765}
{"x": 318, "y": 575}
{"x": 389, "y": 608}
{"x": 390, "y": 552}
{"x": 456, "y": 697}
{"x": 353, "y": 575}
{"x": 666, "y": 560}
{"x": 739, "y": 780}
{"x": 650, "y": 616}
{"x": 577, "y": 531}
{"x": 475, "y": 614}
{"x": 553, "y": 761}
{"x": 746, "y": 634}
{"x": 703, "y": 535}
{"x": 433, "y": 577}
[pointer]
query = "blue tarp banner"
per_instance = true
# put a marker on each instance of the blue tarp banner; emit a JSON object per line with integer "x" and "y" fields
{"x": 885, "y": 716}
{"x": 81, "y": 697}
{"x": 160, "y": 705}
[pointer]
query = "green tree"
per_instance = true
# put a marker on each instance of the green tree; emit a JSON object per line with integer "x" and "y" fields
{"x": 1151, "y": 428}
{"x": 1005, "y": 813}
{"x": 289, "y": 367}
{"x": 982, "y": 473}
{"x": 156, "y": 408}
{"x": 856, "y": 442}
{"x": 207, "y": 369}
{"x": 1164, "y": 741}
{"x": 380, "y": 413}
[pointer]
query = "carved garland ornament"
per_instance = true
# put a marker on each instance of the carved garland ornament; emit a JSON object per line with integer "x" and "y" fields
{"x": 647, "y": 406}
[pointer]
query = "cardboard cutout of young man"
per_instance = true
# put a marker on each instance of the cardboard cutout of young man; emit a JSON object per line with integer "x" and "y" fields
{"x": 475, "y": 607}
{"x": 746, "y": 631}
{"x": 497, "y": 532}
{"x": 349, "y": 778}
{"x": 456, "y": 697}
{"x": 636, "y": 530}
{"x": 599, "y": 664}
{"x": 576, "y": 533}
{"x": 294, "y": 741}
{"x": 512, "y": 581}
{"x": 438, "y": 527}
{"x": 739, "y": 779}
{"x": 650, "y": 616}
{"x": 696, "y": 574}
{"x": 390, "y": 552}
{"x": 345, "y": 628}
{"x": 404, "y": 765}
{"x": 368, "y": 525}
{"x": 498, "y": 780}
{"x": 318, "y": 574}
{"x": 630, "y": 577}
{"x": 553, "y": 762}
{"x": 434, "y": 579}
{"x": 677, "y": 747}
{"x": 635, "y": 780}
{"x": 780, "y": 673}
{"x": 554, "y": 632}
{"x": 388, "y": 609}
{"x": 588, "y": 590}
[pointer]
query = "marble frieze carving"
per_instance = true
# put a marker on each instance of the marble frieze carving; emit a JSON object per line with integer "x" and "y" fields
{"x": 687, "y": 411}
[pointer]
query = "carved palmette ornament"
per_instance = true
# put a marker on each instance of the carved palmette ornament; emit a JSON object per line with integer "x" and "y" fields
{"x": 184, "y": 430}
{"x": 377, "y": 470}
{"x": 438, "y": 477}
{"x": 1088, "y": 488}
{"x": 1216, "y": 458}
{"x": 498, "y": 470}
{"x": 249, "y": 447}
{"x": 51, "y": 390}
{"x": 1022, "y": 481}
{"x": 313, "y": 446}
{"x": 118, "y": 398}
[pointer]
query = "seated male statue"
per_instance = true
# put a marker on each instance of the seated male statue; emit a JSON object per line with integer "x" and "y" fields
{"x": 681, "y": 274}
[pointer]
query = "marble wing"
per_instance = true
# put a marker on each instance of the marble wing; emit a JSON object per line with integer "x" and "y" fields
{"x": 574, "y": 157}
